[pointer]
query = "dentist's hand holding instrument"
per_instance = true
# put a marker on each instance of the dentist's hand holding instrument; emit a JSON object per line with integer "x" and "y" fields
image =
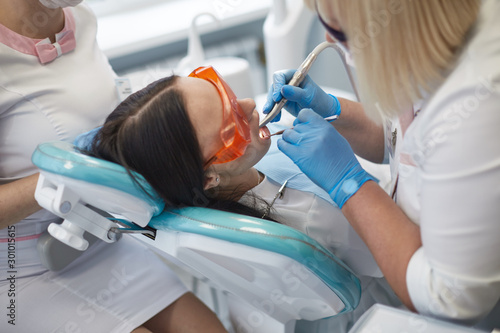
{"x": 307, "y": 95}
{"x": 295, "y": 90}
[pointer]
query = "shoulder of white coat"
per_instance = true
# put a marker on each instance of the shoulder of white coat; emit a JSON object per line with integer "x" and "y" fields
{"x": 84, "y": 15}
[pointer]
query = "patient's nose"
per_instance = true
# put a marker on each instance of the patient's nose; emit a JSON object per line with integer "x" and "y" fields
{"x": 248, "y": 106}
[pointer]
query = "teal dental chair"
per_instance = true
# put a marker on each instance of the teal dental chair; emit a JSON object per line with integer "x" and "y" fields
{"x": 276, "y": 274}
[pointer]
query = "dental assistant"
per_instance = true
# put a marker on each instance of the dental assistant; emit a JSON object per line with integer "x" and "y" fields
{"x": 56, "y": 83}
{"x": 429, "y": 78}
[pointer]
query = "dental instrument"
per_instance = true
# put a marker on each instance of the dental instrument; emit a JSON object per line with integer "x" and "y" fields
{"x": 329, "y": 119}
{"x": 301, "y": 73}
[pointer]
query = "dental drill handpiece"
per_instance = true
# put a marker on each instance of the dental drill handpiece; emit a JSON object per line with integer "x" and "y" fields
{"x": 297, "y": 79}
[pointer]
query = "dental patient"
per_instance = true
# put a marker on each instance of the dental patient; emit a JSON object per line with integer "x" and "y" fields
{"x": 197, "y": 145}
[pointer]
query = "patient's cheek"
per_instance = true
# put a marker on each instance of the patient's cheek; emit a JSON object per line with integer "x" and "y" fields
{"x": 255, "y": 152}
{"x": 210, "y": 144}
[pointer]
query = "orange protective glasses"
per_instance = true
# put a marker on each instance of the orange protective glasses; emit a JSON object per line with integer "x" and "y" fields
{"x": 235, "y": 130}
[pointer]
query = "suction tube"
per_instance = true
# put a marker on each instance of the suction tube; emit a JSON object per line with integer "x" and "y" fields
{"x": 301, "y": 73}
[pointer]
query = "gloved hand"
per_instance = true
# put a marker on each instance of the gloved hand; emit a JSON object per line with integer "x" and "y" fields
{"x": 324, "y": 156}
{"x": 307, "y": 95}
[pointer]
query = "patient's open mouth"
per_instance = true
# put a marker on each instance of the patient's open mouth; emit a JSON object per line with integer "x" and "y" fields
{"x": 264, "y": 133}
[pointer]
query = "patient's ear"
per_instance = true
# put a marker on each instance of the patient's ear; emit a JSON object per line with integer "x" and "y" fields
{"x": 212, "y": 179}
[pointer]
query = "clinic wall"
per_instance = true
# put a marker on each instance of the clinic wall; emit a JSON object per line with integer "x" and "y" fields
{"x": 179, "y": 49}
{"x": 328, "y": 70}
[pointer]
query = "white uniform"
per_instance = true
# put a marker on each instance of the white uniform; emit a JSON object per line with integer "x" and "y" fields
{"x": 449, "y": 183}
{"x": 110, "y": 288}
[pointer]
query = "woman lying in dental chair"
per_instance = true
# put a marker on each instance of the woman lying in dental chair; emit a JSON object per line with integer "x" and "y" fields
{"x": 197, "y": 145}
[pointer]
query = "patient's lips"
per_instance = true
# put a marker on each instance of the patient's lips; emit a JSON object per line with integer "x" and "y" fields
{"x": 264, "y": 133}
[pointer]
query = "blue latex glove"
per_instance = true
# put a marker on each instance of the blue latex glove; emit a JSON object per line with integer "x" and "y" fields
{"x": 307, "y": 95}
{"x": 324, "y": 156}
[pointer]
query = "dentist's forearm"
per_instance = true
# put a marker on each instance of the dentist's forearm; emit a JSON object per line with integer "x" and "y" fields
{"x": 389, "y": 234}
{"x": 17, "y": 200}
{"x": 364, "y": 135}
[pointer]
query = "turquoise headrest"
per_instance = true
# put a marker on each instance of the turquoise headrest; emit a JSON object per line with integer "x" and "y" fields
{"x": 64, "y": 159}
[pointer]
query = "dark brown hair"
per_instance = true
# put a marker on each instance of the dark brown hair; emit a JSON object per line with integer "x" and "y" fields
{"x": 150, "y": 133}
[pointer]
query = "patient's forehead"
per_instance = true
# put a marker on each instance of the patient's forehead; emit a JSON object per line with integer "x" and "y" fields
{"x": 204, "y": 108}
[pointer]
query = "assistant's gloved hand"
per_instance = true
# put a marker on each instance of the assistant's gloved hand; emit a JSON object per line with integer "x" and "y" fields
{"x": 307, "y": 95}
{"x": 324, "y": 156}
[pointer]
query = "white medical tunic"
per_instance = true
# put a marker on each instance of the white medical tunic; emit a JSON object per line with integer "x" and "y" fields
{"x": 448, "y": 162}
{"x": 110, "y": 288}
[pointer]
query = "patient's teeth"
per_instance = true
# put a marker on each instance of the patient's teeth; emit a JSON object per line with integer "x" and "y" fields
{"x": 264, "y": 133}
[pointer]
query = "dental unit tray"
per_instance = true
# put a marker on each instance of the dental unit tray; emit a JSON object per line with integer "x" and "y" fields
{"x": 277, "y": 271}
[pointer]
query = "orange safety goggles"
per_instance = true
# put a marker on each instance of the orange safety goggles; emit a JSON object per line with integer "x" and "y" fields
{"x": 235, "y": 130}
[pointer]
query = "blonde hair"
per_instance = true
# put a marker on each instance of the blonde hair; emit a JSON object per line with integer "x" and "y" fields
{"x": 402, "y": 48}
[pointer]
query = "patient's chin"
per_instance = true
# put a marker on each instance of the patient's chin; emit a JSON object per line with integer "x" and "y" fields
{"x": 253, "y": 154}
